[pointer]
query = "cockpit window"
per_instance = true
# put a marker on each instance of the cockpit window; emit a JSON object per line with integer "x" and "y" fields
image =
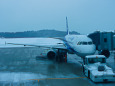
{"x": 78, "y": 43}
{"x": 90, "y": 43}
{"x": 85, "y": 43}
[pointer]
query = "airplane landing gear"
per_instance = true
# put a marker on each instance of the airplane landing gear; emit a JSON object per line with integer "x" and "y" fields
{"x": 61, "y": 55}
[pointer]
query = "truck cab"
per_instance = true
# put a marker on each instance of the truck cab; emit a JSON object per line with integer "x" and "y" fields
{"x": 95, "y": 68}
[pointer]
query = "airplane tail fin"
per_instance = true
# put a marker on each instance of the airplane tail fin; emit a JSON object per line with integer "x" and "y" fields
{"x": 67, "y": 26}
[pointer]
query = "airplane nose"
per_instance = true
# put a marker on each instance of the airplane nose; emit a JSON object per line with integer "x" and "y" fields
{"x": 90, "y": 49}
{"x": 87, "y": 50}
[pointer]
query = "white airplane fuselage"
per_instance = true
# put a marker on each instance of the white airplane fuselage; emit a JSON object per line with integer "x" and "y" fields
{"x": 80, "y": 45}
{"x": 75, "y": 44}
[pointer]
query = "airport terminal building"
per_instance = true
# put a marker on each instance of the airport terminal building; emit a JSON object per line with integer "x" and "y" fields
{"x": 103, "y": 40}
{"x": 114, "y": 42}
{"x": 107, "y": 41}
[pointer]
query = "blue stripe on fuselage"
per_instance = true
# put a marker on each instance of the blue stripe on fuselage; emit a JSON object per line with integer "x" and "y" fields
{"x": 69, "y": 47}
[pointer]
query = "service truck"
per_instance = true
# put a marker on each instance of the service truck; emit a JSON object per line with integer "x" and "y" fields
{"x": 96, "y": 69}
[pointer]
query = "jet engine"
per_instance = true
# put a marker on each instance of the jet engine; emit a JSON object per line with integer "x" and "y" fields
{"x": 51, "y": 54}
{"x": 59, "y": 55}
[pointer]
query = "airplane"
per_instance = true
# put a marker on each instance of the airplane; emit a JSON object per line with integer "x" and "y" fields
{"x": 80, "y": 45}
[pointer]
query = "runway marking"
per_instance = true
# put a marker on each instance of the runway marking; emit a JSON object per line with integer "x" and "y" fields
{"x": 57, "y": 78}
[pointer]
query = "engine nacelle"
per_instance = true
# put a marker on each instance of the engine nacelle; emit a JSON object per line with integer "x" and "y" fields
{"x": 51, "y": 54}
{"x": 106, "y": 53}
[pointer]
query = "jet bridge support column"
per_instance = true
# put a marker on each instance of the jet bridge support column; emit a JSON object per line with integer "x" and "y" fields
{"x": 61, "y": 55}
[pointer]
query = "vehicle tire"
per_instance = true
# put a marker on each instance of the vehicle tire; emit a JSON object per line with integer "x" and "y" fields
{"x": 83, "y": 69}
{"x": 88, "y": 74}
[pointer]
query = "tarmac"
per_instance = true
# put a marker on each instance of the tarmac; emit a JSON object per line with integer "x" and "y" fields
{"x": 25, "y": 67}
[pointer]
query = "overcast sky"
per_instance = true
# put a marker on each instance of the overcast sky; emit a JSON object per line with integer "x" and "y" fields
{"x": 84, "y": 16}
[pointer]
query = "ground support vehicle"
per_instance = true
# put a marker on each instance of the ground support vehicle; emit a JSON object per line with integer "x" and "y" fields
{"x": 96, "y": 69}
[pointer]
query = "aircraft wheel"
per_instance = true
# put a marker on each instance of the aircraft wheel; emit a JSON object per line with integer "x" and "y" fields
{"x": 65, "y": 58}
{"x": 56, "y": 58}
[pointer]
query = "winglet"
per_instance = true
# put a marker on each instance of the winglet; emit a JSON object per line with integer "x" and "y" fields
{"x": 67, "y": 26}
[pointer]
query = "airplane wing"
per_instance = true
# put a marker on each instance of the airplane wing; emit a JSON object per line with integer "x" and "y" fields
{"x": 33, "y": 42}
{"x": 43, "y": 46}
